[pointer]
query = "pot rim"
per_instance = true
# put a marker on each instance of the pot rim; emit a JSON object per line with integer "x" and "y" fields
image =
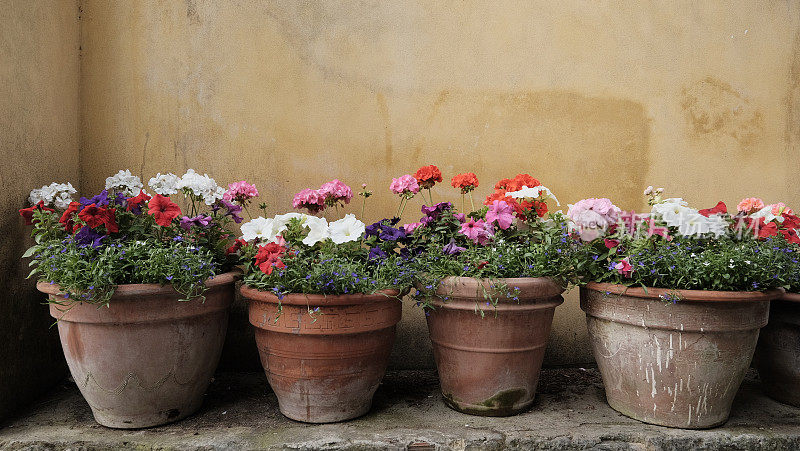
{"x": 790, "y": 297}
{"x": 256, "y": 295}
{"x": 135, "y": 290}
{"x": 688, "y": 295}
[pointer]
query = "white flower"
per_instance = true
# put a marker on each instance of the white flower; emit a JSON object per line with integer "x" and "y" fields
{"x": 259, "y": 227}
{"x": 318, "y": 230}
{"x": 767, "y": 214}
{"x": 533, "y": 193}
{"x": 57, "y": 195}
{"x": 346, "y": 229}
{"x": 648, "y": 191}
{"x": 201, "y": 186}
{"x": 673, "y": 211}
{"x": 125, "y": 183}
{"x": 164, "y": 184}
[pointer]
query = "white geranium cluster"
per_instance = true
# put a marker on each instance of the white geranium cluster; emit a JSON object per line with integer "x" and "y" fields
{"x": 675, "y": 212}
{"x": 268, "y": 229}
{"x": 124, "y": 182}
{"x": 57, "y": 195}
{"x": 201, "y": 186}
{"x": 164, "y": 184}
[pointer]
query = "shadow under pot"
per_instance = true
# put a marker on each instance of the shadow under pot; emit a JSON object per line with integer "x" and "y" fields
{"x": 489, "y": 365}
{"x": 676, "y": 364}
{"x": 324, "y": 356}
{"x": 778, "y": 352}
{"x": 148, "y": 358}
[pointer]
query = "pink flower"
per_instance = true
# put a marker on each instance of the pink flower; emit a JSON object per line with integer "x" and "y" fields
{"x": 478, "y": 231}
{"x": 309, "y": 199}
{"x": 750, "y": 204}
{"x": 410, "y": 228}
{"x": 404, "y": 184}
{"x": 240, "y": 192}
{"x": 624, "y": 267}
{"x": 593, "y": 216}
{"x": 780, "y": 209}
{"x": 335, "y": 191}
{"x": 501, "y": 212}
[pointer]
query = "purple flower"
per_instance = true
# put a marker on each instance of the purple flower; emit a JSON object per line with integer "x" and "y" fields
{"x": 87, "y": 236}
{"x": 376, "y": 253}
{"x": 452, "y": 248}
{"x": 100, "y": 200}
{"x": 198, "y": 221}
{"x": 233, "y": 210}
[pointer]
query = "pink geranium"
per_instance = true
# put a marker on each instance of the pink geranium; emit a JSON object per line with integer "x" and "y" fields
{"x": 749, "y": 205}
{"x": 309, "y": 199}
{"x": 335, "y": 191}
{"x": 240, "y": 192}
{"x": 405, "y": 184}
{"x": 501, "y": 212}
{"x": 478, "y": 231}
{"x": 593, "y": 216}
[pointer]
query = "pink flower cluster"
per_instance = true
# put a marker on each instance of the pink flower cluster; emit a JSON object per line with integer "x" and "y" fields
{"x": 500, "y": 212}
{"x": 405, "y": 184}
{"x": 240, "y": 192}
{"x": 329, "y": 194}
{"x": 480, "y": 231}
{"x": 593, "y": 216}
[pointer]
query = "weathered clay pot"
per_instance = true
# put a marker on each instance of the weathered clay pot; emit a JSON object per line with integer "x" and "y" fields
{"x": 148, "y": 358}
{"x": 490, "y": 365}
{"x": 673, "y": 364}
{"x": 324, "y": 367}
{"x": 778, "y": 352}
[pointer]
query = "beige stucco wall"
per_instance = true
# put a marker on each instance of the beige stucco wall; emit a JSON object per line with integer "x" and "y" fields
{"x": 593, "y": 98}
{"x": 39, "y": 72}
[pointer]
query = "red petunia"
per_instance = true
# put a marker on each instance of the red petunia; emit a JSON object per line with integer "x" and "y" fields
{"x": 466, "y": 182}
{"x": 719, "y": 208}
{"x": 427, "y": 176}
{"x": 236, "y": 246}
{"x": 95, "y": 216}
{"x": 135, "y": 203}
{"x": 68, "y": 217}
{"x": 163, "y": 210}
{"x": 27, "y": 213}
{"x": 269, "y": 256}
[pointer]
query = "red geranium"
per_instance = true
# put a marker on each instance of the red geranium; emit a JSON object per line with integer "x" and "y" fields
{"x": 269, "y": 256}
{"x": 135, "y": 203}
{"x": 68, "y": 217}
{"x": 521, "y": 208}
{"x": 427, "y": 176}
{"x": 466, "y": 182}
{"x": 719, "y": 208}
{"x": 27, "y": 213}
{"x": 163, "y": 210}
{"x": 95, "y": 216}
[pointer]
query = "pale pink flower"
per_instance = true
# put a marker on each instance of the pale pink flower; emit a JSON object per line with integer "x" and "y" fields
{"x": 781, "y": 209}
{"x": 309, "y": 199}
{"x": 240, "y": 192}
{"x": 750, "y": 204}
{"x": 404, "y": 184}
{"x": 411, "y": 227}
{"x": 335, "y": 191}
{"x": 593, "y": 216}
{"x": 501, "y": 212}
{"x": 478, "y": 231}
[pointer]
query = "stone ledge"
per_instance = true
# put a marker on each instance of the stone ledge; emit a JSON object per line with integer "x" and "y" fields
{"x": 570, "y": 413}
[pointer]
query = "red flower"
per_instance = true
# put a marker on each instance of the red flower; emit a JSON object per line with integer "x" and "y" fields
{"x": 467, "y": 182}
{"x": 611, "y": 244}
{"x": 68, "y": 218}
{"x": 427, "y": 176}
{"x": 27, "y": 213}
{"x": 269, "y": 256}
{"x": 95, "y": 216}
{"x": 135, "y": 203}
{"x": 236, "y": 246}
{"x": 163, "y": 210}
{"x": 509, "y": 186}
{"x": 719, "y": 208}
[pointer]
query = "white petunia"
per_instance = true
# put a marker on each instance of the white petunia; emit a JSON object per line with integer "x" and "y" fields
{"x": 317, "y": 230}
{"x": 346, "y": 229}
{"x": 767, "y": 214}
{"x": 533, "y": 193}
{"x": 125, "y": 183}
{"x": 164, "y": 184}
{"x": 259, "y": 227}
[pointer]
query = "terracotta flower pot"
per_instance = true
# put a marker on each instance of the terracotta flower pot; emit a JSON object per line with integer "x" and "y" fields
{"x": 673, "y": 364}
{"x": 490, "y": 365}
{"x": 778, "y": 352}
{"x": 326, "y": 367}
{"x": 148, "y": 358}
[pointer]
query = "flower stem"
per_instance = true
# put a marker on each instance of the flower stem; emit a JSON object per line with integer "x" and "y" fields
{"x": 471, "y": 202}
